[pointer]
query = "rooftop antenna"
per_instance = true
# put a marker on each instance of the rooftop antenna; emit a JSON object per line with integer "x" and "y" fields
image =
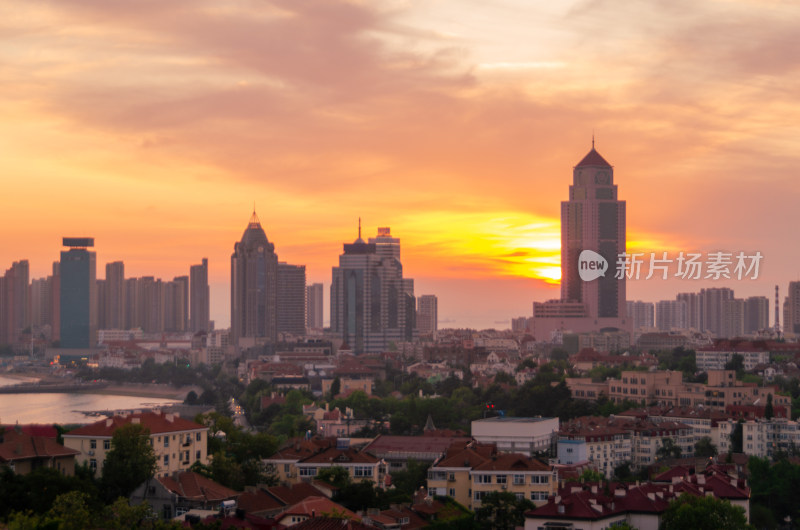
{"x": 359, "y": 228}
{"x": 592, "y": 138}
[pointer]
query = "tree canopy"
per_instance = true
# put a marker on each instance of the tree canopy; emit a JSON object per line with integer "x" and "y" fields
{"x": 130, "y": 462}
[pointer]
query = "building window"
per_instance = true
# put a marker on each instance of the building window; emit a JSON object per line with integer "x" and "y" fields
{"x": 478, "y": 495}
{"x": 92, "y": 464}
{"x": 166, "y": 460}
{"x": 452, "y": 492}
{"x": 197, "y": 455}
{"x": 483, "y": 479}
{"x": 519, "y": 479}
{"x": 92, "y": 444}
{"x": 501, "y": 479}
{"x": 166, "y": 441}
{"x": 308, "y": 472}
{"x": 106, "y": 444}
{"x": 198, "y": 436}
{"x": 362, "y": 471}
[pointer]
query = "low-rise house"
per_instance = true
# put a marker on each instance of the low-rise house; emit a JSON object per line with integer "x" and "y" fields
{"x": 313, "y": 507}
{"x": 361, "y": 466}
{"x": 397, "y": 451}
{"x": 604, "y": 505}
{"x": 177, "y": 442}
{"x": 517, "y": 435}
{"x": 176, "y": 494}
{"x": 467, "y": 473}
{"x": 23, "y": 453}
{"x": 284, "y": 461}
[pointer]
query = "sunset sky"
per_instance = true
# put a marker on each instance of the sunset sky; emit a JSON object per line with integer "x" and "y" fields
{"x": 154, "y": 126}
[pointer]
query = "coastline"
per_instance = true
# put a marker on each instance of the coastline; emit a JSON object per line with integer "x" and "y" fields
{"x": 111, "y": 389}
{"x": 143, "y": 390}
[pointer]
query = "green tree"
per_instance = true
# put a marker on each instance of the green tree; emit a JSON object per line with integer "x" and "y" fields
{"x": 412, "y": 478}
{"x": 736, "y": 363}
{"x": 705, "y": 448}
{"x": 769, "y": 411}
{"x": 591, "y": 475}
{"x": 703, "y": 513}
{"x": 130, "y": 461}
{"x": 336, "y": 388}
{"x": 72, "y": 511}
{"x": 336, "y": 476}
{"x": 737, "y": 438}
{"x": 501, "y": 510}
{"x": 668, "y": 449}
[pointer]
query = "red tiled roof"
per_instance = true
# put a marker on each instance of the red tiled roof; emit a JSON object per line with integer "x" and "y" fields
{"x": 314, "y": 506}
{"x": 293, "y": 494}
{"x": 20, "y": 446}
{"x": 334, "y": 455}
{"x": 34, "y": 429}
{"x": 258, "y": 501}
{"x": 329, "y": 523}
{"x": 157, "y": 422}
{"x": 469, "y": 457}
{"x": 298, "y": 449}
{"x": 194, "y": 486}
{"x": 413, "y": 444}
{"x": 512, "y": 462}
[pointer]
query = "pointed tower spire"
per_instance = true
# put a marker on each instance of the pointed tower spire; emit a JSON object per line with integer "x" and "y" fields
{"x": 254, "y": 221}
{"x": 592, "y": 138}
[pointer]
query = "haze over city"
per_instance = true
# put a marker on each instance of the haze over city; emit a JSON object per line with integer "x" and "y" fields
{"x": 154, "y": 127}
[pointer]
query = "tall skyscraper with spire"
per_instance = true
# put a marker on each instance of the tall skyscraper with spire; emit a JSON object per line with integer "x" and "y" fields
{"x": 254, "y": 287}
{"x": 372, "y": 304}
{"x": 592, "y": 219}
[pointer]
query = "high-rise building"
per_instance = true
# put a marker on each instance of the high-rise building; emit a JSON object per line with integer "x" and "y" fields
{"x": 671, "y": 314}
{"x": 14, "y": 302}
{"x": 40, "y": 298}
{"x": 427, "y": 314}
{"x": 641, "y": 314}
{"x": 733, "y": 318}
{"x": 593, "y": 219}
{"x": 199, "y": 297}
{"x": 114, "y": 315}
{"x": 55, "y": 302}
{"x": 78, "y": 311}
{"x": 314, "y": 301}
{"x": 372, "y": 305}
{"x": 176, "y": 304}
{"x": 254, "y": 287}
{"x": 100, "y": 289}
{"x": 756, "y": 314}
{"x": 791, "y": 311}
{"x": 712, "y": 302}
{"x": 291, "y": 298}
{"x": 150, "y": 304}
{"x": 132, "y": 304}
{"x": 694, "y": 310}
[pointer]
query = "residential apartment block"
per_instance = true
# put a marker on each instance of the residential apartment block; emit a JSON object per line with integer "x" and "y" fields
{"x": 469, "y": 471}
{"x": 178, "y": 443}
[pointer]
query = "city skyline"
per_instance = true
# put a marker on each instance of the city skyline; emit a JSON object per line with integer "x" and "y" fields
{"x": 152, "y": 128}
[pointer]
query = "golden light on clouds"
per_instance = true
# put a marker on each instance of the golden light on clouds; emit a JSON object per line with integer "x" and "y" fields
{"x": 154, "y": 126}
